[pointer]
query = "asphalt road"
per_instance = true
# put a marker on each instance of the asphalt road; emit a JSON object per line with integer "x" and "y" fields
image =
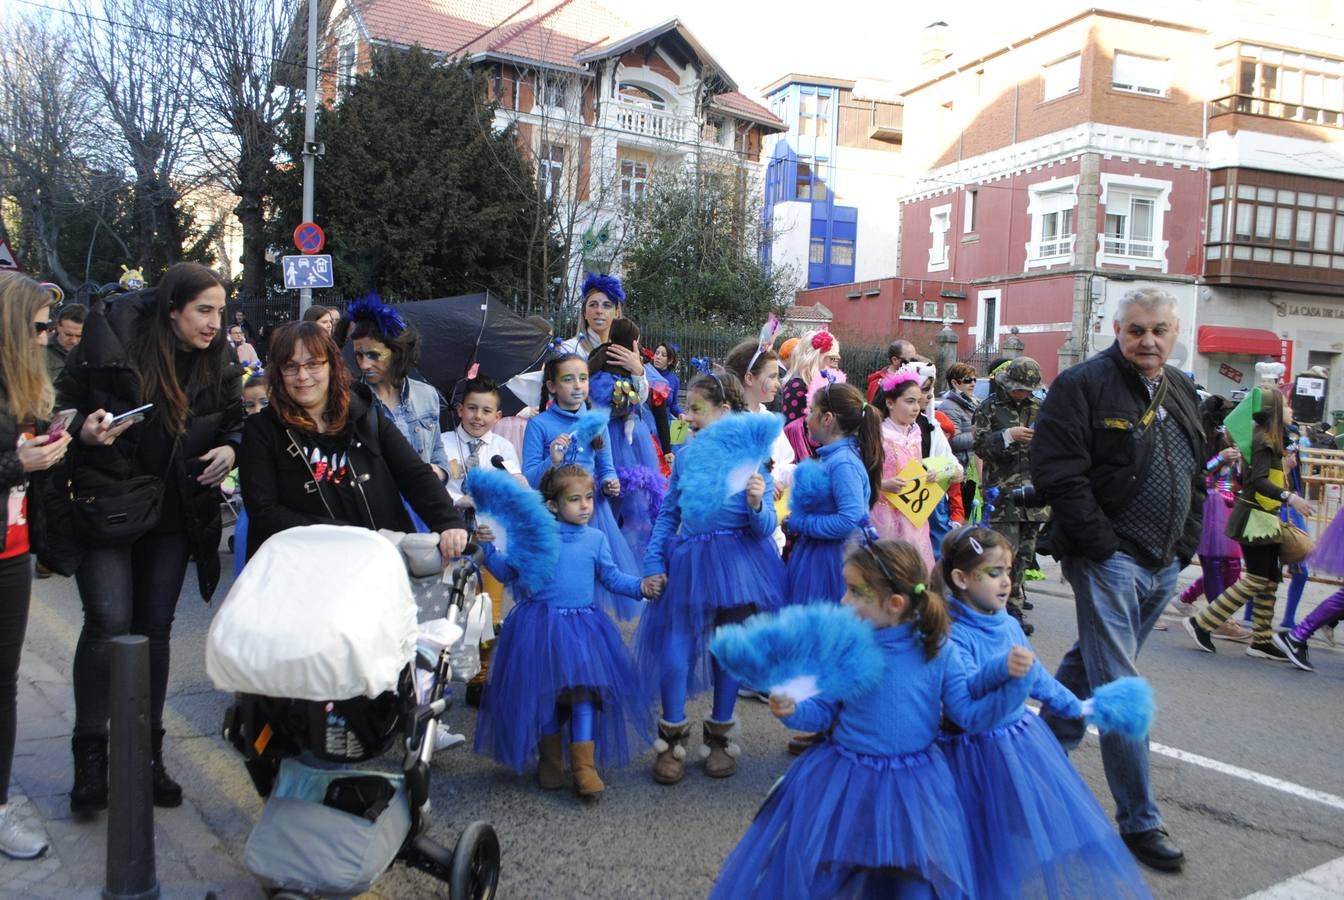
{"x": 643, "y": 840}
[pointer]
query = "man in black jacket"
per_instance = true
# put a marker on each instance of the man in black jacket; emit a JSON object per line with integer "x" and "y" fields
{"x": 1116, "y": 454}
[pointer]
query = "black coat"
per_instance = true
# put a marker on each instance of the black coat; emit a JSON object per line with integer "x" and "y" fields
{"x": 1086, "y": 460}
{"x": 100, "y": 374}
{"x": 11, "y": 469}
{"x": 280, "y": 492}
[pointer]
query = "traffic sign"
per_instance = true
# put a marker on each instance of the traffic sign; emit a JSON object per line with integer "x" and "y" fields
{"x": 7, "y": 260}
{"x": 307, "y": 272}
{"x": 309, "y": 238}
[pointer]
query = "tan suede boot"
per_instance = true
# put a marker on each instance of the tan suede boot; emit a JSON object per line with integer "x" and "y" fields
{"x": 551, "y": 762}
{"x": 586, "y": 780}
{"x": 719, "y": 750}
{"x": 671, "y": 747}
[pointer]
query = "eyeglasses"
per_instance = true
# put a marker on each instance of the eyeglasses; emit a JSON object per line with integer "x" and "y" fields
{"x": 42, "y": 327}
{"x": 311, "y": 367}
{"x": 372, "y": 356}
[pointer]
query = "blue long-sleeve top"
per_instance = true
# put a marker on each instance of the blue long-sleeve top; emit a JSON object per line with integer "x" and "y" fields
{"x": 983, "y": 640}
{"x": 847, "y": 509}
{"x": 543, "y": 429}
{"x": 585, "y": 560}
{"x": 902, "y": 713}
{"x": 733, "y": 514}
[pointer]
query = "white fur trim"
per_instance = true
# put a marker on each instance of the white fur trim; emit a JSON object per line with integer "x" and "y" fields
{"x": 660, "y": 745}
{"x": 679, "y": 751}
{"x": 704, "y": 751}
{"x": 733, "y": 750}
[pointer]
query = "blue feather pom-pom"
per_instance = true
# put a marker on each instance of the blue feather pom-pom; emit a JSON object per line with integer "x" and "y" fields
{"x": 721, "y": 459}
{"x": 802, "y": 651}
{"x": 531, "y": 538}
{"x": 601, "y": 386}
{"x": 607, "y": 284}
{"x": 373, "y": 309}
{"x": 1124, "y": 706}
{"x": 590, "y": 424}
{"x": 811, "y": 489}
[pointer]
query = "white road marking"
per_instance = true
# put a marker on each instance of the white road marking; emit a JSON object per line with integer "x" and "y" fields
{"x": 1324, "y": 882}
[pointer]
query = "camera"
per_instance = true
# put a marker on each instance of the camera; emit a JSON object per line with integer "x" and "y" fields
{"x": 1026, "y": 497}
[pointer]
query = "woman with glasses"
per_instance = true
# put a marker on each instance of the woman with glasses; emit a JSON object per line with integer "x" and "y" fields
{"x": 146, "y": 489}
{"x": 324, "y": 452}
{"x": 959, "y": 405}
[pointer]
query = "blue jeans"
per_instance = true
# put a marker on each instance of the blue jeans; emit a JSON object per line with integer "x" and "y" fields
{"x": 1117, "y": 601}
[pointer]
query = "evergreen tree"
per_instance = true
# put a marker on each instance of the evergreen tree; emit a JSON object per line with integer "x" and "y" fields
{"x": 418, "y": 193}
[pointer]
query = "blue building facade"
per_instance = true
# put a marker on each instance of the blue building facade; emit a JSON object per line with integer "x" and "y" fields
{"x": 801, "y": 169}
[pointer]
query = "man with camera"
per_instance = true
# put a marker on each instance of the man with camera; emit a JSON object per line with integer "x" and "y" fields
{"x": 1117, "y": 454}
{"x": 1003, "y": 436}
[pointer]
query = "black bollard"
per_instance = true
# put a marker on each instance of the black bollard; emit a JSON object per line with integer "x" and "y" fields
{"x": 130, "y": 795}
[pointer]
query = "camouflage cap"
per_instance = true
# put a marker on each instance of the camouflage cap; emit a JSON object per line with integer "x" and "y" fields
{"x": 1021, "y": 374}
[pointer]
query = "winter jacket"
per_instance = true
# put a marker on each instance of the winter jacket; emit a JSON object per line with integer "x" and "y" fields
{"x": 100, "y": 374}
{"x": 1089, "y": 453}
{"x": 283, "y": 488}
{"x": 961, "y": 410}
{"x": 11, "y": 472}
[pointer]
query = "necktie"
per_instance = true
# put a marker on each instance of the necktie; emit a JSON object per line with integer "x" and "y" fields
{"x": 473, "y": 447}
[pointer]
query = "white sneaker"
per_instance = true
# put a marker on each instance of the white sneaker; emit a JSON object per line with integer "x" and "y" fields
{"x": 17, "y": 841}
{"x": 444, "y": 739}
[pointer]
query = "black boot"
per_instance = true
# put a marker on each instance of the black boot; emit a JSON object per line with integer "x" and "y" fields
{"x": 166, "y": 791}
{"x": 89, "y": 794}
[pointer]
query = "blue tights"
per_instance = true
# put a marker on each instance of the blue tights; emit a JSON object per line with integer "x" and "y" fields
{"x": 582, "y": 716}
{"x": 677, "y": 652}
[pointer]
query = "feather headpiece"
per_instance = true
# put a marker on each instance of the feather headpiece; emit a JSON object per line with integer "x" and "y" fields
{"x": 702, "y": 365}
{"x": 766, "y": 339}
{"x": 801, "y": 652}
{"x": 606, "y": 284}
{"x": 722, "y": 458}
{"x": 526, "y": 532}
{"x": 373, "y": 309}
{"x": 892, "y": 380}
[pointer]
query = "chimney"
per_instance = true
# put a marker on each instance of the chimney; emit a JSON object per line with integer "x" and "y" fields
{"x": 935, "y": 45}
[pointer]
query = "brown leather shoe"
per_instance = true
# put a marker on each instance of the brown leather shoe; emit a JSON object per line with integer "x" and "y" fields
{"x": 586, "y": 780}
{"x": 551, "y": 762}
{"x": 718, "y": 750}
{"x": 669, "y": 768}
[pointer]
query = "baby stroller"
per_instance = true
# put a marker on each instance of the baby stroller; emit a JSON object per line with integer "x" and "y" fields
{"x": 318, "y": 641}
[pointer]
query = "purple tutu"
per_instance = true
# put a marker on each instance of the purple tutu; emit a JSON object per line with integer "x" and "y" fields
{"x": 708, "y": 575}
{"x": 546, "y": 657}
{"x": 604, "y": 520}
{"x": 841, "y": 823}
{"x": 1035, "y": 828}
{"x": 1213, "y": 540}
{"x": 815, "y": 572}
{"x": 1328, "y": 554}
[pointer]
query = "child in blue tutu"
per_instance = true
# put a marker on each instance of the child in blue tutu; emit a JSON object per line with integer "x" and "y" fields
{"x": 560, "y": 657}
{"x": 829, "y": 506}
{"x": 872, "y": 810}
{"x": 1036, "y": 830}
{"x": 548, "y": 443}
{"x": 715, "y": 563}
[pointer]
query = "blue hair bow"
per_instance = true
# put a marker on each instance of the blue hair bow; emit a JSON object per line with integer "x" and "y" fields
{"x": 373, "y": 309}
{"x": 607, "y": 284}
{"x": 702, "y": 365}
{"x": 673, "y": 346}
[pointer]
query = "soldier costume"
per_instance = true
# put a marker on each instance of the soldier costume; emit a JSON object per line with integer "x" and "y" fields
{"x": 1007, "y": 465}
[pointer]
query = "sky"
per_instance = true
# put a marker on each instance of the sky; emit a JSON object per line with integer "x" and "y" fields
{"x": 757, "y": 42}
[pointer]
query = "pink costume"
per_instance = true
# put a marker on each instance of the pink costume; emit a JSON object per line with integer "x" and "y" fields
{"x": 901, "y": 444}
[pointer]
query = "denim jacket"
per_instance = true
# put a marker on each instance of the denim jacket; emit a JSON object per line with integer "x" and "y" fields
{"x": 417, "y": 418}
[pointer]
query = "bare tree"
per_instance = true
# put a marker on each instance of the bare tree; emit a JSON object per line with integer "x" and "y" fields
{"x": 142, "y": 72}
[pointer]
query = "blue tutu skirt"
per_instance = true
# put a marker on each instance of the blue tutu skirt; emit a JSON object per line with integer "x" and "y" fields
{"x": 1036, "y": 829}
{"x": 642, "y": 483}
{"x": 815, "y": 573}
{"x": 710, "y": 578}
{"x": 841, "y": 823}
{"x": 604, "y": 520}
{"x": 547, "y": 656}
{"x": 240, "y": 542}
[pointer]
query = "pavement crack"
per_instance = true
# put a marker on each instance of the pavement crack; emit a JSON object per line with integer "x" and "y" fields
{"x": 1233, "y": 820}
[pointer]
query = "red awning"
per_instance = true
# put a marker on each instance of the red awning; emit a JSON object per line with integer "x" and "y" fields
{"x": 1239, "y": 341}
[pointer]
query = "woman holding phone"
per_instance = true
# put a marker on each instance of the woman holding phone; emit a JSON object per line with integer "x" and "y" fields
{"x": 25, "y": 447}
{"x": 146, "y": 489}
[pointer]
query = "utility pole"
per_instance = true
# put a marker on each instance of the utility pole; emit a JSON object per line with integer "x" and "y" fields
{"x": 311, "y": 149}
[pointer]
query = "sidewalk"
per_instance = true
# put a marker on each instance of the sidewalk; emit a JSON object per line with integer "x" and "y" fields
{"x": 191, "y": 862}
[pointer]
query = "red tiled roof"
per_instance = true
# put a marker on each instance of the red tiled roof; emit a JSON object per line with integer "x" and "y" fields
{"x": 738, "y": 103}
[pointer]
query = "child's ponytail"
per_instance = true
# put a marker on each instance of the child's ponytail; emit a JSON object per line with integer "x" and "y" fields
{"x": 857, "y": 417}
{"x": 895, "y": 567}
{"x": 932, "y": 620}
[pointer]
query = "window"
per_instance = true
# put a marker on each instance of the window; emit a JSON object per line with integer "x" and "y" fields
{"x": 930, "y": 309}
{"x": 1061, "y": 77}
{"x": 1139, "y": 74}
{"x": 804, "y": 191}
{"x": 909, "y": 307}
{"x": 810, "y": 183}
{"x": 940, "y": 218}
{"x": 1051, "y": 205}
{"x": 345, "y": 65}
{"x": 842, "y": 252}
{"x": 814, "y": 112}
{"x": 634, "y": 175}
{"x": 550, "y": 171}
{"x": 968, "y": 220}
{"x": 1129, "y": 224}
{"x": 949, "y": 310}
{"x": 552, "y": 92}
{"x": 640, "y": 96}
{"x": 1215, "y": 223}
{"x": 817, "y": 253}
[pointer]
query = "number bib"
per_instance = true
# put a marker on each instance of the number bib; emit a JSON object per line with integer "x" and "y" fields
{"x": 919, "y": 497}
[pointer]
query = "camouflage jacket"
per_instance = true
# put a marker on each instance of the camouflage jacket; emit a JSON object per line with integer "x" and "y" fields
{"x": 1007, "y": 465}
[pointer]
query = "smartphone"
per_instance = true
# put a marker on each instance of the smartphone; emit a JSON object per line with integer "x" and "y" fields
{"x": 133, "y": 415}
{"x": 59, "y": 423}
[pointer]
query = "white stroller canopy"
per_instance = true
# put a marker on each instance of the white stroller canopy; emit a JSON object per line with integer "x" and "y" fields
{"x": 322, "y": 612}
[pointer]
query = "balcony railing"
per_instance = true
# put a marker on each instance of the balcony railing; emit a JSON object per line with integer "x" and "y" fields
{"x": 653, "y": 123}
{"x": 1250, "y": 105}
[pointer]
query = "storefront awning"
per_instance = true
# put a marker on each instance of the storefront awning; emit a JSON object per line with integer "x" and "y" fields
{"x": 1239, "y": 341}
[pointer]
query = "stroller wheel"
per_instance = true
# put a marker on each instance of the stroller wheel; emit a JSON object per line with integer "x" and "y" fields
{"x": 475, "y": 873}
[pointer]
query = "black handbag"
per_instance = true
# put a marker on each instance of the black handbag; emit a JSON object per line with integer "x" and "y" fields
{"x": 124, "y": 511}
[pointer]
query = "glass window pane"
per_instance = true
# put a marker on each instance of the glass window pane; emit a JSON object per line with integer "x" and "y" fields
{"x": 1213, "y": 251}
{"x": 817, "y": 254}
{"x": 1264, "y": 216}
{"x": 1321, "y": 260}
{"x": 1215, "y": 223}
{"x": 1300, "y": 259}
{"x": 1217, "y": 192}
{"x": 1240, "y": 252}
{"x": 1321, "y": 239}
{"x": 1306, "y": 199}
{"x": 1242, "y": 227}
{"x": 1245, "y": 192}
{"x": 842, "y": 252}
{"x": 1264, "y": 195}
{"x": 1283, "y": 256}
{"x": 1304, "y": 219}
{"x": 1339, "y": 233}
{"x": 1283, "y": 224}
{"x": 1288, "y": 197}
{"x": 1325, "y": 201}
{"x": 1141, "y": 228}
